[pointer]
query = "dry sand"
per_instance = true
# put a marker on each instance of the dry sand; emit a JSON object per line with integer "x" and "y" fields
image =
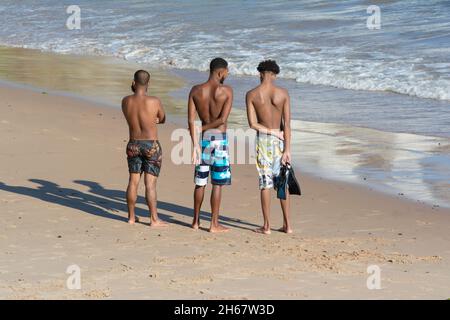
{"x": 62, "y": 179}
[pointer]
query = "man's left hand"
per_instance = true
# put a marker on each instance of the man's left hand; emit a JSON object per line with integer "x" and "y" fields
{"x": 286, "y": 158}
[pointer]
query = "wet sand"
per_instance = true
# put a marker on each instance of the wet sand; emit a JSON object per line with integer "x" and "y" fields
{"x": 102, "y": 79}
{"x": 63, "y": 175}
{"x": 369, "y": 151}
{"x": 411, "y": 165}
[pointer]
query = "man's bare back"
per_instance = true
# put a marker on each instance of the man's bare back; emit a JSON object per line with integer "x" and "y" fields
{"x": 212, "y": 101}
{"x": 269, "y": 113}
{"x": 144, "y": 152}
{"x": 213, "y": 104}
{"x": 143, "y": 113}
{"x": 268, "y": 105}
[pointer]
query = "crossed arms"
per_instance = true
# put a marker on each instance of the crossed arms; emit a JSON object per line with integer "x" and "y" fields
{"x": 221, "y": 120}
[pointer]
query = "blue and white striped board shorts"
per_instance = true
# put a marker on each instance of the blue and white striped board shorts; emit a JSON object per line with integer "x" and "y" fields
{"x": 215, "y": 159}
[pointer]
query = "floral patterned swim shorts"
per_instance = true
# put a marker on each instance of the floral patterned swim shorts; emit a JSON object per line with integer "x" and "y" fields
{"x": 144, "y": 156}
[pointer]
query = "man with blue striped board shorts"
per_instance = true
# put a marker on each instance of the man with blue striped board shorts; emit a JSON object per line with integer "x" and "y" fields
{"x": 215, "y": 160}
{"x": 212, "y": 102}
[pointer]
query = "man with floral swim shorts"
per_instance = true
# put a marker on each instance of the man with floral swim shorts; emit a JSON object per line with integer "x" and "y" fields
{"x": 269, "y": 113}
{"x": 144, "y": 153}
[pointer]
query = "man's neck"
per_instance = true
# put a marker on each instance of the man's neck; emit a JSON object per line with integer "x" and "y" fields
{"x": 213, "y": 80}
{"x": 267, "y": 82}
{"x": 140, "y": 92}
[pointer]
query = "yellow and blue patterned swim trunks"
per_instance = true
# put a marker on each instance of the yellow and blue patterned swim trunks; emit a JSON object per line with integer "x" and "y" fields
{"x": 269, "y": 151}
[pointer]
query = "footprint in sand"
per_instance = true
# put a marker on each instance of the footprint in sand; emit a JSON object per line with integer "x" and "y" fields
{"x": 41, "y": 131}
{"x": 370, "y": 230}
{"x": 375, "y": 213}
{"x": 75, "y": 139}
{"x": 423, "y": 223}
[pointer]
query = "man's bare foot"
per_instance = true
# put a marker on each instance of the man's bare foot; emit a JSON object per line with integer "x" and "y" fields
{"x": 218, "y": 228}
{"x": 196, "y": 225}
{"x": 133, "y": 220}
{"x": 262, "y": 230}
{"x": 158, "y": 223}
{"x": 285, "y": 230}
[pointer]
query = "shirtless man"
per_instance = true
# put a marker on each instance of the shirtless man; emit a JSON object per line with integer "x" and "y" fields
{"x": 268, "y": 112}
{"x": 144, "y": 153}
{"x": 212, "y": 102}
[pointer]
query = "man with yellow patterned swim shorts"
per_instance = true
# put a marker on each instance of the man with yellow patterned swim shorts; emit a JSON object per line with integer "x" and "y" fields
{"x": 269, "y": 113}
{"x": 269, "y": 151}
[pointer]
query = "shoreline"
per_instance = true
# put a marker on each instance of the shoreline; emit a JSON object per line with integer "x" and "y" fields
{"x": 179, "y": 121}
{"x": 400, "y": 164}
{"x": 178, "y": 77}
{"x": 68, "y": 207}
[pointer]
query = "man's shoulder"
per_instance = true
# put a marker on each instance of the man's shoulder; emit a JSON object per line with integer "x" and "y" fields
{"x": 125, "y": 101}
{"x": 126, "y": 98}
{"x": 226, "y": 89}
{"x": 153, "y": 100}
{"x": 281, "y": 90}
{"x": 197, "y": 88}
{"x": 251, "y": 92}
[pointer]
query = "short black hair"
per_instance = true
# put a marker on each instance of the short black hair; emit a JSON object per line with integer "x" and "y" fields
{"x": 217, "y": 63}
{"x": 268, "y": 66}
{"x": 141, "y": 77}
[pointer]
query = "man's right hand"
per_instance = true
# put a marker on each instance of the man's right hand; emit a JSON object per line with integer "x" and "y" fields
{"x": 196, "y": 155}
{"x": 277, "y": 133}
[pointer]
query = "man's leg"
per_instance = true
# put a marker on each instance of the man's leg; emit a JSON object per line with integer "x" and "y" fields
{"x": 265, "y": 206}
{"x": 286, "y": 207}
{"x": 133, "y": 183}
{"x": 150, "y": 197}
{"x": 199, "y": 194}
{"x": 216, "y": 196}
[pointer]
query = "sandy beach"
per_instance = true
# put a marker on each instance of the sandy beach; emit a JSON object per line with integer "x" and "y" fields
{"x": 62, "y": 202}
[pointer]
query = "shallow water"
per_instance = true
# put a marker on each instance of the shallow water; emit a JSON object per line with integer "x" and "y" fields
{"x": 413, "y": 165}
{"x": 103, "y": 79}
{"x": 323, "y": 42}
{"x": 417, "y": 166}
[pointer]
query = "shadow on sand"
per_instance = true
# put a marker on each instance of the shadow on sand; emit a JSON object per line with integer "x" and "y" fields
{"x": 108, "y": 203}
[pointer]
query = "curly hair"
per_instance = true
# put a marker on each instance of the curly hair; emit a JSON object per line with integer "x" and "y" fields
{"x": 269, "y": 66}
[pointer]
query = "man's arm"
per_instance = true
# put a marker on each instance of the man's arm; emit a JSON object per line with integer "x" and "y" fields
{"x": 287, "y": 129}
{"x": 223, "y": 118}
{"x": 124, "y": 104}
{"x": 124, "y": 109}
{"x": 192, "y": 129}
{"x": 253, "y": 120}
{"x": 191, "y": 118}
{"x": 161, "y": 118}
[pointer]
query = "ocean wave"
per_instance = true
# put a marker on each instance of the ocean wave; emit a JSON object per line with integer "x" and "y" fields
{"x": 406, "y": 78}
{"x": 315, "y": 44}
